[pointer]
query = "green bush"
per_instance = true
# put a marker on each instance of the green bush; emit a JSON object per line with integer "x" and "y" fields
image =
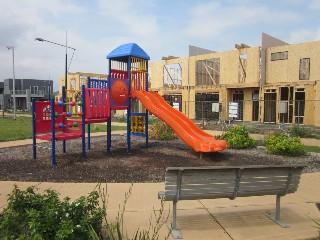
{"x": 297, "y": 131}
{"x": 238, "y": 137}
{"x": 282, "y": 144}
{"x": 159, "y": 130}
{"x": 30, "y": 215}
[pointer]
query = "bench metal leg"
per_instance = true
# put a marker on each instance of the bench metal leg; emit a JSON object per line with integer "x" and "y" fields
{"x": 173, "y": 226}
{"x": 276, "y": 217}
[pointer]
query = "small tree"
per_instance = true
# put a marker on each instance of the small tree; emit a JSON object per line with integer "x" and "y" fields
{"x": 238, "y": 137}
{"x": 282, "y": 144}
{"x": 159, "y": 130}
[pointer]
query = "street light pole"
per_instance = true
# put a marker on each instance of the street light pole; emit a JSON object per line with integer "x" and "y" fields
{"x": 66, "y": 64}
{"x": 13, "y": 83}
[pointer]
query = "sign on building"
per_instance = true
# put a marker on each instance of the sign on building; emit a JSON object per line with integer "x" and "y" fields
{"x": 215, "y": 107}
{"x": 233, "y": 109}
{"x": 176, "y": 105}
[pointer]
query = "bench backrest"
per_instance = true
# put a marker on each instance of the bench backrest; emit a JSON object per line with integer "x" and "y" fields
{"x": 230, "y": 182}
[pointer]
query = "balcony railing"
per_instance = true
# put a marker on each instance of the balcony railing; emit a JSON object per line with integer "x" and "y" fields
{"x": 32, "y": 92}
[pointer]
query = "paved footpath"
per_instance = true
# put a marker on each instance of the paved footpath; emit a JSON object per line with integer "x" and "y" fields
{"x": 239, "y": 219}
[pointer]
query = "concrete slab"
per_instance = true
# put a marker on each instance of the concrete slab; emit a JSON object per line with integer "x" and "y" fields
{"x": 309, "y": 187}
{"x": 243, "y": 218}
{"x": 245, "y": 223}
{"x": 138, "y": 220}
{"x": 199, "y": 224}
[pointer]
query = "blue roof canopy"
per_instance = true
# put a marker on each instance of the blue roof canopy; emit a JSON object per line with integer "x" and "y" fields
{"x": 129, "y": 49}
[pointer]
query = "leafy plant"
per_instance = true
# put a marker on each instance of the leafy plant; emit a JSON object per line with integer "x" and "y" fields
{"x": 282, "y": 144}
{"x": 30, "y": 215}
{"x": 159, "y": 130}
{"x": 303, "y": 132}
{"x": 238, "y": 138}
{"x": 298, "y": 131}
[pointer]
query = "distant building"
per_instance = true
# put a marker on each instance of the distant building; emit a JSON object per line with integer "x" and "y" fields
{"x": 25, "y": 90}
{"x": 275, "y": 83}
{"x": 74, "y": 83}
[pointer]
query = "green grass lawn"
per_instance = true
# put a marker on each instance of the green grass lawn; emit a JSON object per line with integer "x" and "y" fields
{"x": 21, "y": 128}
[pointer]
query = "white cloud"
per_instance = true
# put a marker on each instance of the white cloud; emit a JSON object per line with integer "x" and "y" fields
{"x": 314, "y": 5}
{"x": 132, "y": 15}
{"x": 304, "y": 35}
{"x": 160, "y": 27}
{"x": 213, "y": 19}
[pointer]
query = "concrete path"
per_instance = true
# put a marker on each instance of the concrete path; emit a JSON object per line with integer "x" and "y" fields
{"x": 305, "y": 141}
{"x": 239, "y": 219}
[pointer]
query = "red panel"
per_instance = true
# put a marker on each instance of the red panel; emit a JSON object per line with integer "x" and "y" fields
{"x": 97, "y": 103}
{"x": 43, "y": 123}
{"x": 43, "y": 116}
{"x": 119, "y": 74}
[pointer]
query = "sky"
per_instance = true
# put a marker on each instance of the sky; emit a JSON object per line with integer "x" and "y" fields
{"x": 160, "y": 27}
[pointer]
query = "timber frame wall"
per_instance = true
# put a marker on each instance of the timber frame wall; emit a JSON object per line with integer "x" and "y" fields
{"x": 277, "y": 72}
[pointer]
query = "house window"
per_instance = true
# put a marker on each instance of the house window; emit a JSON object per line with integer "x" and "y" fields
{"x": 172, "y": 75}
{"x": 33, "y": 89}
{"x": 242, "y": 67}
{"x": 208, "y": 72}
{"x": 73, "y": 84}
{"x": 279, "y": 56}
{"x": 304, "y": 69}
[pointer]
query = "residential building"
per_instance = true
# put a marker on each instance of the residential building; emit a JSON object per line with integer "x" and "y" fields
{"x": 75, "y": 81}
{"x": 276, "y": 82}
{"x": 25, "y": 90}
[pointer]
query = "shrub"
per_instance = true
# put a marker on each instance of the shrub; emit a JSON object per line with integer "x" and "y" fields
{"x": 159, "y": 130}
{"x": 282, "y": 144}
{"x": 30, "y": 215}
{"x": 238, "y": 137}
{"x": 297, "y": 131}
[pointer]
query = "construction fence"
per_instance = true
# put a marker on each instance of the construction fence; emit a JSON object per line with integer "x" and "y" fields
{"x": 269, "y": 112}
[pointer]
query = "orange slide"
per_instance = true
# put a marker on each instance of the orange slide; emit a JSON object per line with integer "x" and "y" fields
{"x": 190, "y": 133}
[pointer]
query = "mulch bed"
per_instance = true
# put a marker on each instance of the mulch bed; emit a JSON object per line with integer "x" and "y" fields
{"x": 140, "y": 165}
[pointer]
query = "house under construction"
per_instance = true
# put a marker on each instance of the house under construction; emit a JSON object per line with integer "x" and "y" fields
{"x": 275, "y": 83}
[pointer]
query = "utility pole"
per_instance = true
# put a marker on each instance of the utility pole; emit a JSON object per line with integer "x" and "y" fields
{"x": 14, "y": 84}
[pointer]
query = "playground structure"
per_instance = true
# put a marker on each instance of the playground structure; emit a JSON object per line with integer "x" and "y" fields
{"x": 128, "y": 79}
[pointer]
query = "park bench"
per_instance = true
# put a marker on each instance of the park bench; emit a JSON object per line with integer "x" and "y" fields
{"x": 194, "y": 183}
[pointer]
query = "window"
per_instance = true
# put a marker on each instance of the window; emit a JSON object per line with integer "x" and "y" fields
{"x": 208, "y": 72}
{"x": 242, "y": 67}
{"x": 172, "y": 75}
{"x": 279, "y": 56}
{"x": 304, "y": 69}
{"x": 72, "y": 84}
{"x": 33, "y": 89}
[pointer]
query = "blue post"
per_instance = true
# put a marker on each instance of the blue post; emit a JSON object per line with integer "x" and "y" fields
{"x": 34, "y": 140}
{"x": 89, "y": 138}
{"x": 83, "y": 118}
{"x": 53, "y": 134}
{"x": 129, "y": 106}
{"x": 146, "y": 127}
{"x": 109, "y": 119}
{"x": 64, "y": 109}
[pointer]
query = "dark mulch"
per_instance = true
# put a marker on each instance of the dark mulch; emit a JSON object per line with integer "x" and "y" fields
{"x": 140, "y": 165}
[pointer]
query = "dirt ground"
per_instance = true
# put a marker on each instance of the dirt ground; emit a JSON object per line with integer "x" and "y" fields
{"x": 140, "y": 165}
